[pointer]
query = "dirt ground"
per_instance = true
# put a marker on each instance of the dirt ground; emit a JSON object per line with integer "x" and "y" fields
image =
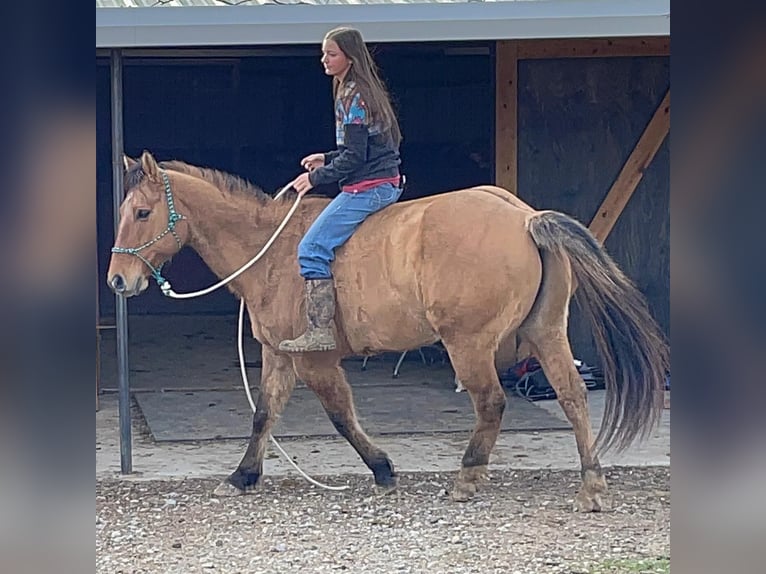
{"x": 163, "y": 518}
{"x": 520, "y": 522}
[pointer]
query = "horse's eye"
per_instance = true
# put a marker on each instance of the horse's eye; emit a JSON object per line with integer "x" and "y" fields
{"x": 143, "y": 214}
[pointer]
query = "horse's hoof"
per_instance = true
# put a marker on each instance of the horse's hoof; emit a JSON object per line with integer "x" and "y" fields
{"x": 227, "y": 489}
{"x": 384, "y": 474}
{"x": 383, "y": 490}
{"x": 463, "y": 492}
{"x": 585, "y": 502}
{"x": 590, "y": 496}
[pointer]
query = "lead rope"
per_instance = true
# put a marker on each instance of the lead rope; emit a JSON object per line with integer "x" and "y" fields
{"x": 167, "y": 290}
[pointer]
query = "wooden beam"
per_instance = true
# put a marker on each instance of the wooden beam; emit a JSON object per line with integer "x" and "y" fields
{"x": 506, "y": 104}
{"x": 633, "y": 170}
{"x": 594, "y": 47}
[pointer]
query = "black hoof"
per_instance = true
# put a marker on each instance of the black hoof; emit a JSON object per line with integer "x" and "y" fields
{"x": 385, "y": 475}
{"x": 244, "y": 480}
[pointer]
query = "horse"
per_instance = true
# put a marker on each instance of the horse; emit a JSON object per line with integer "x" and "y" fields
{"x": 472, "y": 268}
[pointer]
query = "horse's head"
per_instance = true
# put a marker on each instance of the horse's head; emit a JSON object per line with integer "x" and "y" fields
{"x": 148, "y": 234}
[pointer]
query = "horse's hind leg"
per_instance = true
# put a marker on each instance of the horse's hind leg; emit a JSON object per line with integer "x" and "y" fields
{"x": 475, "y": 367}
{"x": 555, "y": 356}
{"x": 545, "y": 329}
{"x": 323, "y": 374}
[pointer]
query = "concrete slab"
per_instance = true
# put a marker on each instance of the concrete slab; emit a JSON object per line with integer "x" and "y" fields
{"x": 325, "y": 456}
{"x": 199, "y": 353}
{"x": 384, "y": 410}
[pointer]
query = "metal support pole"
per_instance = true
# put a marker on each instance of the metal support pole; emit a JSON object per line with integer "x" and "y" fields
{"x": 126, "y": 455}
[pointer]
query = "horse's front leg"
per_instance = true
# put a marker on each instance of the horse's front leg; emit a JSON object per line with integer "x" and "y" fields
{"x": 277, "y": 383}
{"x": 323, "y": 374}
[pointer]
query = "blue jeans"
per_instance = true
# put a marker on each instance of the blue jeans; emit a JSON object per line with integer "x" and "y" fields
{"x": 336, "y": 224}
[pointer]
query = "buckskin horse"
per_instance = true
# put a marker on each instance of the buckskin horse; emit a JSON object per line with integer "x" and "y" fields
{"x": 470, "y": 268}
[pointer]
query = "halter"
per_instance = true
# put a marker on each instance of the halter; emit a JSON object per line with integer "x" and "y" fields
{"x": 173, "y": 218}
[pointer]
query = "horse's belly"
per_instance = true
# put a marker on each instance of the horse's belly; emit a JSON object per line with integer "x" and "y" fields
{"x": 377, "y": 286}
{"x": 372, "y": 327}
{"x": 380, "y": 312}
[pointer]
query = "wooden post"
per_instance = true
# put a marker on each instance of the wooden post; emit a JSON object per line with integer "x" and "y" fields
{"x": 506, "y": 105}
{"x": 632, "y": 172}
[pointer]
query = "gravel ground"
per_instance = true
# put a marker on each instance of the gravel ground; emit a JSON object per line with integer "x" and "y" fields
{"x": 519, "y": 523}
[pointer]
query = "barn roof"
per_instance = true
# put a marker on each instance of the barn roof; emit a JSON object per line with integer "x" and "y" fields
{"x": 174, "y": 23}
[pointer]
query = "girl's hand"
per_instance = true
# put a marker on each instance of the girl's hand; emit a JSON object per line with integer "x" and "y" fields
{"x": 313, "y": 161}
{"x": 301, "y": 184}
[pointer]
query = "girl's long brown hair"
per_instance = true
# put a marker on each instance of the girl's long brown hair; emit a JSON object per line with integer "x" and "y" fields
{"x": 364, "y": 73}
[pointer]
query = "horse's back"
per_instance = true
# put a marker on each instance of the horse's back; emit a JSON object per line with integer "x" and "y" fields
{"x": 419, "y": 264}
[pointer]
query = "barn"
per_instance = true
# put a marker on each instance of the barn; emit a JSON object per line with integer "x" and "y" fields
{"x": 563, "y": 102}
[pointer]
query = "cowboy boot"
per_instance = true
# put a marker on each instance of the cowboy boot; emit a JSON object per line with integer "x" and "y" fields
{"x": 320, "y": 310}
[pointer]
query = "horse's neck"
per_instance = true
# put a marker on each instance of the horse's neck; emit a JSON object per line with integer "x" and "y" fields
{"x": 227, "y": 232}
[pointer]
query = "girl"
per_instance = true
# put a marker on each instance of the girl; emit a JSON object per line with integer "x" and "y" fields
{"x": 365, "y": 166}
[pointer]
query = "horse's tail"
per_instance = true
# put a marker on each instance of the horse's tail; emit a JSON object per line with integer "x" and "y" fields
{"x": 633, "y": 349}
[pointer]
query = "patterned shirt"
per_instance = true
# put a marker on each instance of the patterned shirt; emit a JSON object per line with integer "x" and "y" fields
{"x": 364, "y": 151}
{"x": 351, "y": 109}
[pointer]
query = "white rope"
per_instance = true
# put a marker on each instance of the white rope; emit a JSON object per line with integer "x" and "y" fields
{"x": 283, "y": 191}
{"x": 252, "y": 404}
{"x": 168, "y": 290}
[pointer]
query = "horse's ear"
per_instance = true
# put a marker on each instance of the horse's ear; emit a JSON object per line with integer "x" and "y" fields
{"x": 128, "y": 162}
{"x": 149, "y": 166}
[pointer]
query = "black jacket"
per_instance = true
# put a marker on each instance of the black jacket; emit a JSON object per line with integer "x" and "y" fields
{"x": 364, "y": 151}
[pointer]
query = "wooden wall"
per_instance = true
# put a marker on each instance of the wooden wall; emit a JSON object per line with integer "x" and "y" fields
{"x": 578, "y": 118}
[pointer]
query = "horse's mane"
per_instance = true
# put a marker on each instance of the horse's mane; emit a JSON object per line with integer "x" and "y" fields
{"x": 227, "y": 183}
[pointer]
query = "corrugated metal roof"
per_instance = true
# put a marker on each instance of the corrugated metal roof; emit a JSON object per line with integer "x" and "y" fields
{"x": 189, "y": 3}
{"x": 142, "y": 23}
